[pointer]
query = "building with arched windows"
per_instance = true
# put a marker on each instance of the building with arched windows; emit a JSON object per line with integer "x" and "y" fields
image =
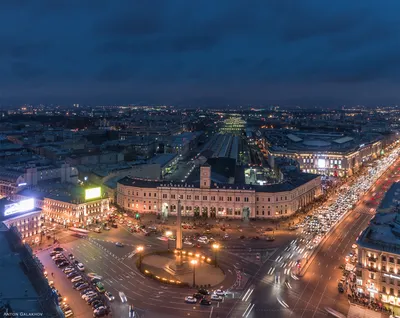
{"x": 209, "y": 199}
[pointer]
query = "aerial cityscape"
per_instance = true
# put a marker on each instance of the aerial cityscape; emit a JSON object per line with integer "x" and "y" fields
{"x": 226, "y": 159}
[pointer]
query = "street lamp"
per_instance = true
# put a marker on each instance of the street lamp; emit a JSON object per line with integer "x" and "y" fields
{"x": 194, "y": 263}
{"x": 215, "y": 247}
{"x": 140, "y": 249}
{"x": 168, "y": 234}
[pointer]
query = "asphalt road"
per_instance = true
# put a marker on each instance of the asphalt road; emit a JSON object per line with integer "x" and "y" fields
{"x": 307, "y": 296}
{"x": 99, "y": 254}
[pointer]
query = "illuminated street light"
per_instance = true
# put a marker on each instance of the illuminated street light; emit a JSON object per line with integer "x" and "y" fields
{"x": 215, "y": 248}
{"x": 140, "y": 249}
{"x": 194, "y": 263}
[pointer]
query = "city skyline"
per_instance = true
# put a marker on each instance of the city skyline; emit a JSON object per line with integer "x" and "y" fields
{"x": 200, "y": 54}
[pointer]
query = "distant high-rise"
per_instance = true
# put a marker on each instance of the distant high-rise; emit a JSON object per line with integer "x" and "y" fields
{"x": 76, "y": 105}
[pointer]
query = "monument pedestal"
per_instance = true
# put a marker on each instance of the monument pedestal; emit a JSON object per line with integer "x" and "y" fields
{"x": 176, "y": 268}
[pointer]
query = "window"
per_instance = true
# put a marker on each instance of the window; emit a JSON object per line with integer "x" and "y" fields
{"x": 172, "y": 196}
{"x": 391, "y": 291}
{"x": 204, "y": 198}
{"x": 149, "y": 194}
{"x": 155, "y": 195}
{"x": 221, "y": 198}
{"x": 237, "y": 199}
{"x": 269, "y": 199}
{"x": 189, "y": 197}
{"x": 246, "y": 199}
{"x": 212, "y": 198}
{"x": 165, "y": 196}
{"x": 391, "y": 281}
{"x": 383, "y": 258}
{"x": 197, "y": 197}
{"x": 372, "y": 275}
{"x": 144, "y": 194}
{"x": 229, "y": 199}
{"x": 383, "y": 268}
{"x": 391, "y": 259}
{"x": 384, "y": 290}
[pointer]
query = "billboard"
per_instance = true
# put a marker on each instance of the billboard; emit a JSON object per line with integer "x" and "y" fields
{"x": 321, "y": 163}
{"x": 18, "y": 207}
{"x": 92, "y": 193}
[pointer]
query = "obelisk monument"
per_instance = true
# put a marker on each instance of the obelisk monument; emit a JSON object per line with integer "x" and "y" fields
{"x": 179, "y": 232}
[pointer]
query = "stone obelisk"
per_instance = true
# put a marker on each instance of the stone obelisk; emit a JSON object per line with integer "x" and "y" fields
{"x": 179, "y": 232}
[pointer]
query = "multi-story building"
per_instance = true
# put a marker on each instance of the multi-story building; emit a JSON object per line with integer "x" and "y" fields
{"x": 210, "y": 199}
{"x": 15, "y": 177}
{"x": 378, "y": 267}
{"x": 323, "y": 153}
{"x": 70, "y": 206}
{"x": 23, "y": 215}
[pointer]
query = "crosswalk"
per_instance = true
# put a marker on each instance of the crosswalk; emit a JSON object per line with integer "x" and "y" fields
{"x": 256, "y": 256}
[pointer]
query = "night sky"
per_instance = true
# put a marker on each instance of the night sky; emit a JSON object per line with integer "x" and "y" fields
{"x": 189, "y": 52}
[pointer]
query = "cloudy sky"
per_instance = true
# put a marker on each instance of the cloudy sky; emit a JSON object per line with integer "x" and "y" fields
{"x": 189, "y": 52}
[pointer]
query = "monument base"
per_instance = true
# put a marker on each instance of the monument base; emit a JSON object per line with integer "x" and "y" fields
{"x": 174, "y": 268}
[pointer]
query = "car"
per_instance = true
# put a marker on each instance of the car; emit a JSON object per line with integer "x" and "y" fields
{"x": 58, "y": 256}
{"x": 198, "y": 296}
{"x": 100, "y": 312}
{"x": 71, "y": 256}
{"x": 215, "y": 297}
{"x": 119, "y": 244}
{"x": 354, "y": 246}
{"x": 340, "y": 289}
{"x": 58, "y": 249}
{"x": 53, "y": 253}
{"x": 190, "y": 300}
{"x": 242, "y": 237}
{"x": 258, "y": 256}
{"x": 109, "y": 296}
{"x": 91, "y": 275}
{"x": 83, "y": 286}
{"x": 76, "y": 279}
{"x": 80, "y": 267}
{"x": 97, "y": 304}
{"x": 72, "y": 274}
{"x": 68, "y": 270}
{"x": 220, "y": 292}
{"x": 188, "y": 243}
{"x": 203, "y": 292}
{"x": 122, "y": 297}
{"x": 94, "y": 301}
{"x": 88, "y": 296}
{"x": 100, "y": 287}
{"x": 114, "y": 225}
{"x": 77, "y": 284}
{"x": 86, "y": 291}
{"x": 205, "y": 302}
{"x": 107, "y": 228}
{"x": 62, "y": 264}
{"x": 95, "y": 280}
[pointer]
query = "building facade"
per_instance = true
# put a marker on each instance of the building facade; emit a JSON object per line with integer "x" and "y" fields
{"x": 378, "y": 267}
{"x": 209, "y": 199}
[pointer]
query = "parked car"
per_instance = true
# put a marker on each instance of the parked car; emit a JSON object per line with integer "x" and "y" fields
{"x": 109, "y": 296}
{"x": 80, "y": 267}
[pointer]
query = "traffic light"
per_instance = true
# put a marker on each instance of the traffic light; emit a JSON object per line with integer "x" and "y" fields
{"x": 137, "y": 216}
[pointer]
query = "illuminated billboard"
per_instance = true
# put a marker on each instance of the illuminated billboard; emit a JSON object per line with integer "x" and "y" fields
{"x": 321, "y": 163}
{"x": 18, "y": 207}
{"x": 92, "y": 193}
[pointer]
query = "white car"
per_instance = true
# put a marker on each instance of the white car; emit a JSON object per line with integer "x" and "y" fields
{"x": 190, "y": 300}
{"x": 220, "y": 292}
{"x": 76, "y": 279}
{"x": 188, "y": 243}
{"x": 92, "y": 275}
{"x": 354, "y": 246}
{"x": 80, "y": 267}
{"x": 215, "y": 297}
{"x": 89, "y": 295}
{"x": 123, "y": 297}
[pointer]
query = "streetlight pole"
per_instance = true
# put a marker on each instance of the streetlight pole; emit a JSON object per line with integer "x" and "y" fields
{"x": 139, "y": 249}
{"x": 194, "y": 263}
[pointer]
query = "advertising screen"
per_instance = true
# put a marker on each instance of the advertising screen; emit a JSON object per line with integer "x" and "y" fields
{"x": 321, "y": 163}
{"x": 18, "y": 207}
{"x": 92, "y": 193}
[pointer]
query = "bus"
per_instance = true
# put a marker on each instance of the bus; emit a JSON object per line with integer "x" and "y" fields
{"x": 79, "y": 232}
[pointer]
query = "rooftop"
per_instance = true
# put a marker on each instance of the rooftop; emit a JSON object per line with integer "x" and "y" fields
{"x": 391, "y": 199}
{"x": 383, "y": 233}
